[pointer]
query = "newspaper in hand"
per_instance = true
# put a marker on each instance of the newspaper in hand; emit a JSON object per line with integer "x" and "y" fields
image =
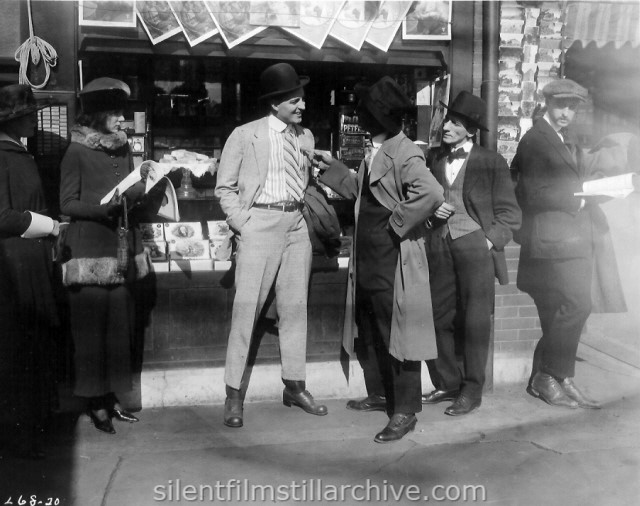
{"x": 620, "y": 186}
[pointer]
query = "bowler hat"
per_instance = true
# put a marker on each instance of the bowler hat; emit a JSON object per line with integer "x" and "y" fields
{"x": 470, "y": 108}
{"x": 17, "y": 100}
{"x": 386, "y": 102}
{"x": 104, "y": 94}
{"x": 279, "y": 79}
{"x": 565, "y": 88}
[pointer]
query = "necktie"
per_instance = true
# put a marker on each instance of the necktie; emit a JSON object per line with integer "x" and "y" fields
{"x": 458, "y": 153}
{"x": 293, "y": 178}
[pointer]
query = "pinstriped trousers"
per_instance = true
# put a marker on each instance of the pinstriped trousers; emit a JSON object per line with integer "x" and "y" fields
{"x": 274, "y": 250}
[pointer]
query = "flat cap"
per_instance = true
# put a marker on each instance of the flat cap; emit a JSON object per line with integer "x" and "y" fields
{"x": 565, "y": 88}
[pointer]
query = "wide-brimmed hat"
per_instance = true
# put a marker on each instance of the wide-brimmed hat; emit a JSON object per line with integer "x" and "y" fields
{"x": 565, "y": 88}
{"x": 17, "y": 100}
{"x": 386, "y": 102}
{"x": 469, "y": 108}
{"x": 280, "y": 79}
{"x": 104, "y": 94}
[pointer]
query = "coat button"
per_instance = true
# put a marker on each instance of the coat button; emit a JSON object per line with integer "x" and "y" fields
{"x": 117, "y": 173}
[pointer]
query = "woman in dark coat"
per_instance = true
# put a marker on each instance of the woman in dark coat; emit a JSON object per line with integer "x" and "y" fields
{"x": 101, "y": 303}
{"x": 28, "y": 310}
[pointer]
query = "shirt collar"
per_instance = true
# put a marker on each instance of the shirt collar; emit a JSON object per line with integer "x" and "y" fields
{"x": 5, "y": 137}
{"x": 466, "y": 147}
{"x": 277, "y": 124}
{"x": 551, "y": 124}
{"x": 378, "y": 140}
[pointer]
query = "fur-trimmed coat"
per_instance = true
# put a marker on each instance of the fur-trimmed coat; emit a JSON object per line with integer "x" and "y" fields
{"x": 92, "y": 166}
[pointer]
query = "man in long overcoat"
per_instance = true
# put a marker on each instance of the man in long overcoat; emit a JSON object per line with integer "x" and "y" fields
{"x": 388, "y": 288}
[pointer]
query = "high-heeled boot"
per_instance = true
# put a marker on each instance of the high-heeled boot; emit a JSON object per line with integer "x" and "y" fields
{"x": 99, "y": 415}
{"x": 116, "y": 411}
{"x": 233, "y": 407}
{"x": 295, "y": 393}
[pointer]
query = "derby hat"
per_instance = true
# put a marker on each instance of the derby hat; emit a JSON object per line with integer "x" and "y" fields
{"x": 469, "y": 108}
{"x": 17, "y": 100}
{"x": 104, "y": 94}
{"x": 565, "y": 88}
{"x": 280, "y": 79}
{"x": 386, "y": 102}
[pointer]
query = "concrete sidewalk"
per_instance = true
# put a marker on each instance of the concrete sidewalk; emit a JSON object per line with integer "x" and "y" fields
{"x": 515, "y": 450}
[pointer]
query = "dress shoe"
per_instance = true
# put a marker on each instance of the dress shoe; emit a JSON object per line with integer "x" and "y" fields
{"x": 102, "y": 425}
{"x": 233, "y": 409}
{"x": 440, "y": 396}
{"x": 399, "y": 425}
{"x": 123, "y": 416}
{"x": 463, "y": 405}
{"x": 572, "y": 392}
{"x": 547, "y": 388}
{"x": 295, "y": 394}
{"x": 371, "y": 403}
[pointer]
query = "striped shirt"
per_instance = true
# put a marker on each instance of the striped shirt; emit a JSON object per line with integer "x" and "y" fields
{"x": 275, "y": 186}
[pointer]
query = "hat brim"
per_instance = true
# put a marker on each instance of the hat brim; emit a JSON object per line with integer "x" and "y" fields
{"x": 567, "y": 95}
{"x": 304, "y": 80}
{"x": 25, "y": 112}
{"x": 471, "y": 121}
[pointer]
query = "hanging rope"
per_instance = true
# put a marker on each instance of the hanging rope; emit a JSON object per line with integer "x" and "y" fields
{"x": 35, "y": 48}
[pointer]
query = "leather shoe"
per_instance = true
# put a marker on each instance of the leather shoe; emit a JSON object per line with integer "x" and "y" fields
{"x": 371, "y": 403}
{"x": 440, "y": 396}
{"x": 304, "y": 400}
{"x": 399, "y": 425}
{"x": 547, "y": 388}
{"x": 233, "y": 409}
{"x": 102, "y": 425}
{"x": 572, "y": 392}
{"x": 123, "y": 416}
{"x": 463, "y": 405}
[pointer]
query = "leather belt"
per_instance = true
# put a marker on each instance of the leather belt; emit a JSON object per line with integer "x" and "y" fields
{"x": 285, "y": 207}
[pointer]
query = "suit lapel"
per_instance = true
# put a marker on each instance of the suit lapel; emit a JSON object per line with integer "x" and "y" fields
{"x": 471, "y": 170}
{"x": 261, "y": 149}
{"x": 553, "y": 138}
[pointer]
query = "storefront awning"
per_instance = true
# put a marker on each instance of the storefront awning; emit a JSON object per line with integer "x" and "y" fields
{"x": 603, "y": 23}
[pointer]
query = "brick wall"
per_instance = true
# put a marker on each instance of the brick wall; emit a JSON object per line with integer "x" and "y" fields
{"x": 516, "y": 326}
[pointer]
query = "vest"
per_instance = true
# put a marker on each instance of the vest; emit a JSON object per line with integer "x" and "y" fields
{"x": 460, "y": 223}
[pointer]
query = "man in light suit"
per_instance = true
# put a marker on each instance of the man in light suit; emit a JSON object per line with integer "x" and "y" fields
{"x": 261, "y": 182}
{"x": 559, "y": 237}
{"x": 465, "y": 248}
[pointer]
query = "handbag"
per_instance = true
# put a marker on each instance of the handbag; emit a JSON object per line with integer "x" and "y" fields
{"x": 322, "y": 221}
{"x": 109, "y": 270}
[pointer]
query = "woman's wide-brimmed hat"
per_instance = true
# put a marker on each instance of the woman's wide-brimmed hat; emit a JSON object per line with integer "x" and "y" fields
{"x": 280, "y": 79}
{"x": 104, "y": 94}
{"x": 17, "y": 100}
{"x": 470, "y": 108}
{"x": 386, "y": 102}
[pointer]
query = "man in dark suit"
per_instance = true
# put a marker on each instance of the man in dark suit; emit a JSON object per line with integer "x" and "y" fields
{"x": 465, "y": 251}
{"x": 557, "y": 238}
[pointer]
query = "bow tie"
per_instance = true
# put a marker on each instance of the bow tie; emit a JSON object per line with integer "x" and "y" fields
{"x": 458, "y": 153}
